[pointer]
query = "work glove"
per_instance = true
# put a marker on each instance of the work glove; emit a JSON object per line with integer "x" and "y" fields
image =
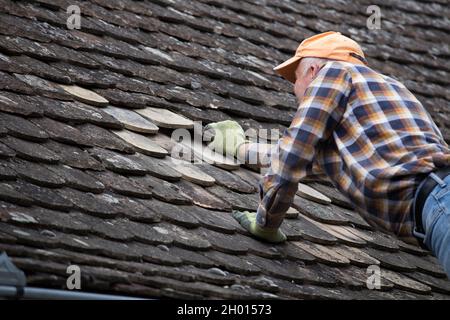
{"x": 248, "y": 221}
{"x": 228, "y": 137}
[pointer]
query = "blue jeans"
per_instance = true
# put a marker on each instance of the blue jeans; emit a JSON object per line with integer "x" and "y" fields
{"x": 436, "y": 221}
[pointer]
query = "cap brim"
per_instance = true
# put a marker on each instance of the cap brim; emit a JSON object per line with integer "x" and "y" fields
{"x": 287, "y": 68}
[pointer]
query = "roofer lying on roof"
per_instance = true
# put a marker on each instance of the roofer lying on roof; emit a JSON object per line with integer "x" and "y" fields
{"x": 367, "y": 132}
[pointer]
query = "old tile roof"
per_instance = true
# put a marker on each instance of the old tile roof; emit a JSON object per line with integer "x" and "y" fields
{"x": 86, "y": 118}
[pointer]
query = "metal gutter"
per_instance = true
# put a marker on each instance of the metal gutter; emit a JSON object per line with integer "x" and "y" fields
{"x": 33, "y": 293}
{"x": 13, "y": 286}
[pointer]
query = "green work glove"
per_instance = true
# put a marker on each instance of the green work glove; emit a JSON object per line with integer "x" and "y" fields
{"x": 228, "y": 136}
{"x": 248, "y": 221}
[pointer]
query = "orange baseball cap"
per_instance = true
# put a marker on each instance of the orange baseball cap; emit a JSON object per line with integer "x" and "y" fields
{"x": 331, "y": 45}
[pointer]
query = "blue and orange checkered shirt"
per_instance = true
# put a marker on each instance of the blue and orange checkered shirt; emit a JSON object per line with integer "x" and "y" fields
{"x": 367, "y": 133}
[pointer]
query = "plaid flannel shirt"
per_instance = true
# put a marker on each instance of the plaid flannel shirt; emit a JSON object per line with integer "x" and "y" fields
{"x": 367, "y": 133}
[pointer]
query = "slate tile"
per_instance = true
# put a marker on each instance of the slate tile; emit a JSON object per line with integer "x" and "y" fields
{"x": 11, "y": 83}
{"x": 141, "y": 143}
{"x": 192, "y": 258}
{"x": 201, "y": 197}
{"x": 86, "y": 77}
{"x": 42, "y": 196}
{"x": 413, "y": 249}
{"x": 6, "y": 172}
{"x": 158, "y": 168}
{"x": 163, "y": 141}
{"x": 240, "y": 108}
{"x": 191, "y": 173}
{"x": 77, "y": 113}
{"x": 103, "y": 205}
{"x": 336, "y": 197}
{"x": 184, "y": 238}
{"x": 30, "y": 150}
{"x": 37, "y": 174}
{"x": 55, "y": 220}
{"x": 261, "y": 283}
{"x": 236, "y": 200}
{"x": 10, "y": 194}
{"x": 220, "y": 278}
{"x": 126, "y": 67}
{"x": 306, "y": 192}
{"x": 293, "y": 271}
{"x": 319, "y": 212}
{"x": 22, "y": 128}
{"x": 223, "y": 242}
{"x": 233, "y": 263}
{"x": 84, "y": 95}
{"x": 131, "y": 120}
{"x": 156, "y": 255}
{"x": 74, "y": 156}
{"x": 26, "y": 263}
{"x": 291, "y": 213}
{"x": 341, "y": 233}
{"x": 6, "y": 152}
{"x": 356, "y": 256}
{"x": 164, "y": 190}
{"x": 391, "y": 261}
{"x": 125, "y": 99}
{"x": 227, "y": 179}
{"x": 62, "y": 132}
{"x": 376, "y": 240}
{"x": 134, "y": 210}
{"x": 259, "y": 248}
{"x": 25, "y": 64}
{"x": 423, "y": 265}
{"x": 117, "y": 162}
{"x": 353, "y": 217}
{"x": 404, "y": 283}
{"x": 31, "y": 237}
{"x": 292, "y": 252}
{"x": 20, "y": 45}
{"x": 77, "y": 179}
{"x": 205, "y": 290}
{"x": 310, "y": 231}
{"x": 165, "y": 118}
{"x": 214, "y": 220}
{"x": 173, "y": 213}
{"x": 7, "y": 238}
{"x": 199, "y": 153}
{"x": 40, "y": 86}
{"x": 99, "y": 246}
{"x": 310, "y": 292}
{"x": 112, "y": 229}
{"x": 3, "y": 131}
{"x": 138, "y": 85}
{"x": 196, "y": 113}
{"x": 436, "y": 284}
{"x": 121, "y": 184}
{"x": 72, "y": 56}
{"x": 147, "y": 291}
{"x": 103, "y": 138}
{"x": 142, "y": 232}
{"x": 323, "y": 254}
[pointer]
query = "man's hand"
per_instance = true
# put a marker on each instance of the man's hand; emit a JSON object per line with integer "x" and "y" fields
{"x": 228, "y": 136}
{"x": 248, "y": 221}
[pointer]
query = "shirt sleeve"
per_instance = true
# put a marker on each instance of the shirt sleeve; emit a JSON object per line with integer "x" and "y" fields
{"x": 321, "y": 109}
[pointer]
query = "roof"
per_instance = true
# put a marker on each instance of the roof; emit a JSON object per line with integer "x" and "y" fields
{"x": 87, "y": 117}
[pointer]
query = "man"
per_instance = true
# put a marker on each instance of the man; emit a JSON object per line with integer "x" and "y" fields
{"x": 367, "y": 133}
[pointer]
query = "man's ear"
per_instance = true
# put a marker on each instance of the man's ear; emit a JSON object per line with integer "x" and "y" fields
{"x": 314, "y": 69}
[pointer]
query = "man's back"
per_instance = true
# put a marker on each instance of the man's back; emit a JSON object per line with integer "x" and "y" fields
{"x": 382, "y": 146}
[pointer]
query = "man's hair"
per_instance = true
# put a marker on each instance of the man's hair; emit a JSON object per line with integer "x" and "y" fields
{"x": 308, "y": 61}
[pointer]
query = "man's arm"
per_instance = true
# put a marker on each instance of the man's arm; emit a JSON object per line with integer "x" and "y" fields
{"x": 320, "y": 111}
